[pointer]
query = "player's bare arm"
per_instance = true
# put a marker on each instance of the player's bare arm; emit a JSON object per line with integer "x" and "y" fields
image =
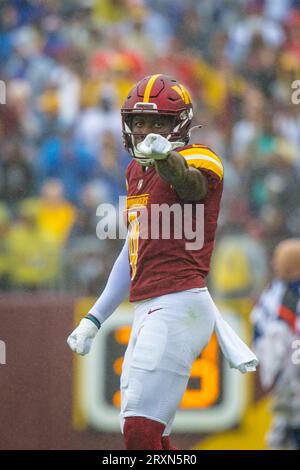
{"x": 189, "y": 183}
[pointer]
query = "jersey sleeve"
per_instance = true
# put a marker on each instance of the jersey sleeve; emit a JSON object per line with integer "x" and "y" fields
{"x": 204, "y": 159}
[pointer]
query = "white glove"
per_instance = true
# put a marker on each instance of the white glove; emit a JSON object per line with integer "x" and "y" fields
{"x": 155, "y": 147}
{"x": 80, "y": 340}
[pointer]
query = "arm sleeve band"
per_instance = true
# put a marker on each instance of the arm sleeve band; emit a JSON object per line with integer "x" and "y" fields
{"x": 116, "y": 289}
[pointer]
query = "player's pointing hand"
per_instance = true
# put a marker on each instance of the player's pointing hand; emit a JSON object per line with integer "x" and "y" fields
{"x": 156, "y": 146}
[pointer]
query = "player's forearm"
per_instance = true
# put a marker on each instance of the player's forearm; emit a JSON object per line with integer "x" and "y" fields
{"x": 116, "y": 289}
{"x": 189, "y": 183}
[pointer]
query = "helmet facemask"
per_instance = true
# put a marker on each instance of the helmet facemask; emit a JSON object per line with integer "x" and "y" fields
{"x": 179, "y": 133}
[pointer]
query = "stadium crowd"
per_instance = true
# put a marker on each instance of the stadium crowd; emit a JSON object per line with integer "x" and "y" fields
{"x": 67, "y": 66}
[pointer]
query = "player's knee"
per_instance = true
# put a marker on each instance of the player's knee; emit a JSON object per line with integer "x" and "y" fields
{"x": 143, "y": 433}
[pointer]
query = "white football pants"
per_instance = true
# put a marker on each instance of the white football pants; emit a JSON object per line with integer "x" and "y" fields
{"x": 168, "y": 333}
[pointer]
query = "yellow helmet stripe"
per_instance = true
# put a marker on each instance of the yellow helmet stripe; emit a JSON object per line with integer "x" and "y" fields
{"x": 183, "y": 93}
{"x": 149, "y": 87}
{"x": 187, "y": 96}
{"x": 179, "y": 91}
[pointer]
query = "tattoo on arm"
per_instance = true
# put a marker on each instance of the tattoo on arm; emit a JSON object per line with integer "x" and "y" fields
{"x": 189, "y": 183}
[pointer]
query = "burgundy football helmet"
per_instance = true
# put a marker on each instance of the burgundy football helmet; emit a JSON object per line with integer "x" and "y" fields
{"x": 162, "y": 95}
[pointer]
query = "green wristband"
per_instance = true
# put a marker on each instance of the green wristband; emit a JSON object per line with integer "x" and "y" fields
{"x": 93, "y": 319}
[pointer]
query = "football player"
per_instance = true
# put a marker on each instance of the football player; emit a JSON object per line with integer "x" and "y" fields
{"x": 174, "y": 313}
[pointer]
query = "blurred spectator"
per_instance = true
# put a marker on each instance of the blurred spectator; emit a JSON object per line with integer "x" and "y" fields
{"x": 278, "y": 10}
{"x": 17, "y": 176}
{"x": 85, "y": 265}
{"x": 94, "y": 193}
{"x": 292, "y": 25}
{"x": 287, "y": 124}
{"x": 254, "y": 23}
{"x": 66, "y": 158}
{"x": 95, "y": 121}
{"x": 220, "y": 85}
{"x": 274, "y": 157}
{"x": 114, "y": 162}
{"x": 194, "y": 32}
{"x": 260, "y": 67}
{"x": 145, "y": 31}
{"x": 28, "y": 61}
{"x": 212, "y": 133}
{"x": 24, "y": 118}
{"x": 32, "y": 253}
{"x": 261, "y": 148}
{"x": 239, "y": 266}
{"x": 55, "y": 214}
{"x": 276, "y": 320}
{"x": 247, "y": 128}
{"x": 8, "y": 23}
{"x": 110, "y": 11}
{"x": 68, "y": 88}
{"x": 87, "y": 259}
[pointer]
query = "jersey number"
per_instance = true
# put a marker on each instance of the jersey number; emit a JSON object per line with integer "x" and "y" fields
{"x": 134, "y": 231}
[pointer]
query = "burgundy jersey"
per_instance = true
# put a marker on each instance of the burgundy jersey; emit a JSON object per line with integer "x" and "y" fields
{"x": 164, "y": 263}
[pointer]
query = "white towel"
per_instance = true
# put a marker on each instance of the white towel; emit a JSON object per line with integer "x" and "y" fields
{"x": 234, "y": 349}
